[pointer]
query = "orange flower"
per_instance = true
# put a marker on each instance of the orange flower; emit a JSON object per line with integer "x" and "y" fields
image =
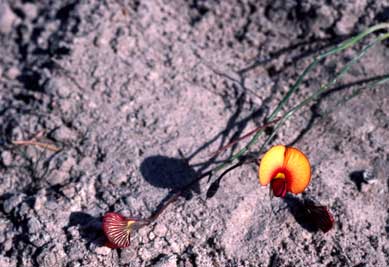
{"x": 287, "y": 169}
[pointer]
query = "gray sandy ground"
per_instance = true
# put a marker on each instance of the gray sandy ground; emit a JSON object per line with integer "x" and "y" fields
{"x": 123, "y": 86}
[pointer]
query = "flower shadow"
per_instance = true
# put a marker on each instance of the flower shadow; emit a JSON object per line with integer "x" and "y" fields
{"x": 90, "y": 228}
{"x": 311, "y": 217}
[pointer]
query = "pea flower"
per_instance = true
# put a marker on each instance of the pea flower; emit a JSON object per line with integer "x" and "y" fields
{"x": 287, "y": 169}
{"x": 117, "y": 229}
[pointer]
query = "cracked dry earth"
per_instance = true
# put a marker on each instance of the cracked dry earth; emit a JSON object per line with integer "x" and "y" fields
{"x": 138, "y": 94}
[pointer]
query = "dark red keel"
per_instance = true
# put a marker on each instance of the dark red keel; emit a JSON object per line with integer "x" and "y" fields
{"x": 279, "y": 187}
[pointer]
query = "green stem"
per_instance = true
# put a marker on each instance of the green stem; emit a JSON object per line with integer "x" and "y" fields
{"x": 342, "y": 46}
{"x": 322, "y": 89}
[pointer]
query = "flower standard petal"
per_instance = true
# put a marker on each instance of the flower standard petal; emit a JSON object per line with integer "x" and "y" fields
{"x": 299, "y": 170}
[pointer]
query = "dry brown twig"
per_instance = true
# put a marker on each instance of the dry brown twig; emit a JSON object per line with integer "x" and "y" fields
{"x": 34, "y": 142}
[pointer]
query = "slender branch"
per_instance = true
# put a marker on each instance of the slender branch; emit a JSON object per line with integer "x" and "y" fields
{"x": 245, "y": 136}
{"x": 36, "y": 143}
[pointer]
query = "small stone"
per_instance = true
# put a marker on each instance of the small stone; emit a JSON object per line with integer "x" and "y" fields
{"x": 103, "y": 250}
{"x": 64, "y": 133}
{"x": 346, "y": 24}
{"x": 118, "y": 180}
{"x": 7, "y": 18}
{"x": 69, "y": 191}
{"x": 151, "y": 236}
{"x": 143, "y": 233}
{"x": 30, "y": 10}
{"x": 68, "y": 164}
{"x": 368, "y": 176}
{"x": 58, "y": 177}
{"x": 103, "y": 39}
{"x": 86, "y": 163}
{"x": 51, "y": 205}
{"x": 33, "y": 225}
{"x": 74, "y": 264}
{"x": 175, "y": 247}
{"x": 24, "y": 209}
{"x": 39, "y": 239}
{"x": 11, "y": 203}
{"x": 7, "y": 245}
{"x": 73, "y": 232}
{"x": 167, "y": 261}
{"x": 145, "y": 254}
{"x": 160, "y": 230}
{"x": 40, "y": 199}
{"x": 6, "y": 158}
{"x": 108, "y": 198}
{"x": 12, "y": 73}
{"x": 5, "y": 261}
{"x": 50, "y": 256}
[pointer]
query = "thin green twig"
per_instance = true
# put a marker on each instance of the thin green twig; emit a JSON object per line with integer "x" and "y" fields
{"x": 344, "y": 45}
{"x": 322, "y": 89}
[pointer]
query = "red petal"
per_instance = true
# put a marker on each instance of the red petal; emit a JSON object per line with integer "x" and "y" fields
{"x": 322, "y": 217}
{"x": 279, "y": 187}
{"x": 116, "y": 229}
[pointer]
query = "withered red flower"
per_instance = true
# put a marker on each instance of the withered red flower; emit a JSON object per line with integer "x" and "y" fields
{"x": 320, "y": 216}
{"x": 117, "y": 229}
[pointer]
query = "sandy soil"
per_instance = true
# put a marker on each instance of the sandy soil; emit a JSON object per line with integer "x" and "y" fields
{"x": 138, "y": 94}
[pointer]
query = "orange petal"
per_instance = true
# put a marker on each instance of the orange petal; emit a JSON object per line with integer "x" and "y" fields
{"x": 271, "y": 161}
{"x": 298, "y": 170}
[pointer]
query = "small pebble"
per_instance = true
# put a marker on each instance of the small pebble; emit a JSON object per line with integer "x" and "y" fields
{"x": 64, "y": 133}
{"x": 160, "y": 230}
{"x": 6, "y": 158}
{"x": 103, "y": 250}
{"x": 10, "y": 203}
{"x": 7, "y": 18}
{"x": 368, "y": 176}
{"x": 151, "y": 236}
{"x": 33, "y": 225}
{"x": 167, "y": 261}
{"x": 30, "y": 10}
{"x": 12, "y": 73}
